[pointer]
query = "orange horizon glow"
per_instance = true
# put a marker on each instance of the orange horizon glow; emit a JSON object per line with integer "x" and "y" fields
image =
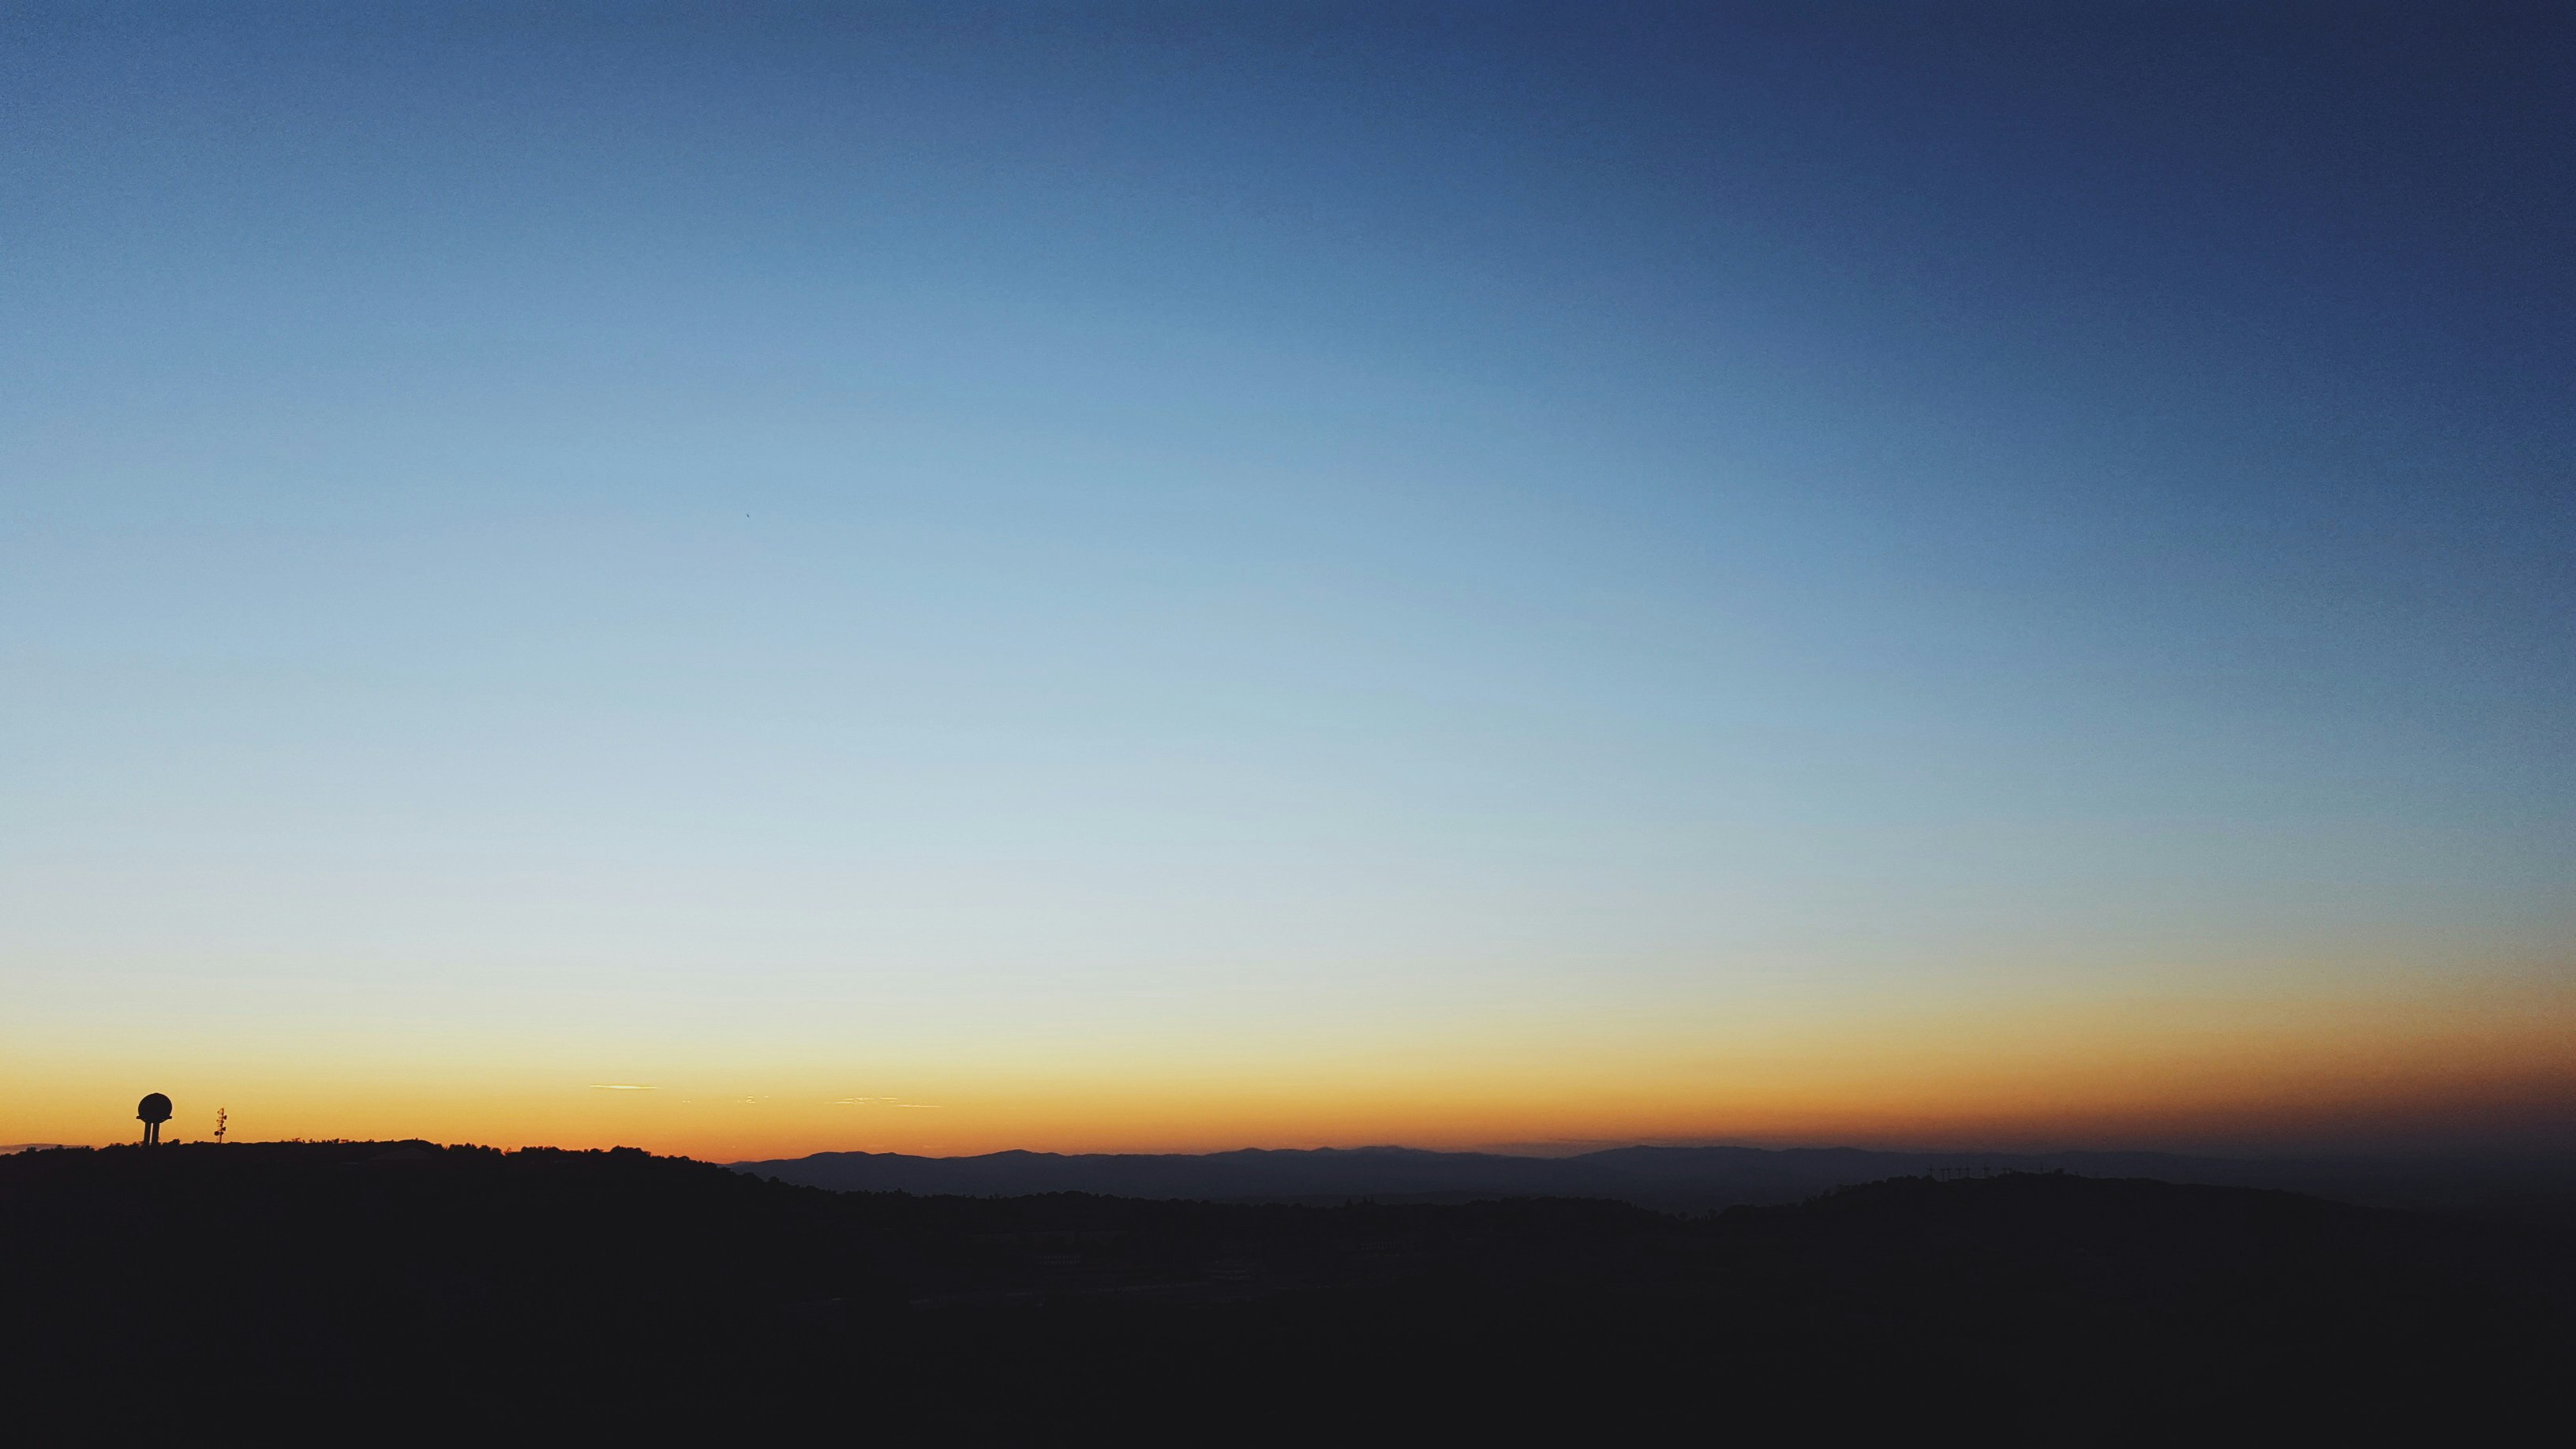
{"x": 2497, "y": 1073}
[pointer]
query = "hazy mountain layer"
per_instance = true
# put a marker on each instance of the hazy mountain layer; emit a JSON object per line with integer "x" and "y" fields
{"x": 1673, "y": 1178}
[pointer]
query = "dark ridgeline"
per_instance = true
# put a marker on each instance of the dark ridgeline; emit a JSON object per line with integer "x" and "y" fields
{"x": 1674, "y": 1179}
{"x": 372, "y": 1286}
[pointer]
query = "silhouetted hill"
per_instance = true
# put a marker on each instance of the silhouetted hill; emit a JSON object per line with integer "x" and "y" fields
{"x": 1681, "y": 1179}
{"x": 398, "y": 1288}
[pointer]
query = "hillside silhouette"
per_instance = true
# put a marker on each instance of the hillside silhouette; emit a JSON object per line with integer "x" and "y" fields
{"x": 1681, "y": 1179}
{"x": 253, "y": 1285}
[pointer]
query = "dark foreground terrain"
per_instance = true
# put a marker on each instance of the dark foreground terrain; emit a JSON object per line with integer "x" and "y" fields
{"x": 388, "y": 1290}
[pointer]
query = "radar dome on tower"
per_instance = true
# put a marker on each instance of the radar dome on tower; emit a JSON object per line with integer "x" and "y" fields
{"x": 152, "y": 1111}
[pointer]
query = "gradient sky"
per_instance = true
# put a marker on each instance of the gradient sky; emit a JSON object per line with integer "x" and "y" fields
{"x": 1185, "y": 576}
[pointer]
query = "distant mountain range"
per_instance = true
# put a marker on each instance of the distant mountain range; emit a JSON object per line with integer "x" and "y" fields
{"x": 1669, "y": 1178}
{"x": 458, "y": 1287}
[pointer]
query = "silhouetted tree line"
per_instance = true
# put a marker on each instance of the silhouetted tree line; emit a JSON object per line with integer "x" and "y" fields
{"x": 413, "y": 1285}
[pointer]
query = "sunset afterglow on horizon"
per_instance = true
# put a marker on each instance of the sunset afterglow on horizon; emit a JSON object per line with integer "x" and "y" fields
{"x": 933, "y": 579}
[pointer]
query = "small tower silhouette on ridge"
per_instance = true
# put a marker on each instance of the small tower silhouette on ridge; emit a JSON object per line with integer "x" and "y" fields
{"x": 152, "y": 1111}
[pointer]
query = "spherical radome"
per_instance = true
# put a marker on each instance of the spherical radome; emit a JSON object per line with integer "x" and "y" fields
{"x": 154, "y": 1108}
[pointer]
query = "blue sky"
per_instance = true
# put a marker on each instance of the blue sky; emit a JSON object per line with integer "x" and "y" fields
{"x": 666, "y": 529}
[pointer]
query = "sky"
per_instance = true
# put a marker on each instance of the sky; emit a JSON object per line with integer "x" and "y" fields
{"x": 755, "y": 579}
